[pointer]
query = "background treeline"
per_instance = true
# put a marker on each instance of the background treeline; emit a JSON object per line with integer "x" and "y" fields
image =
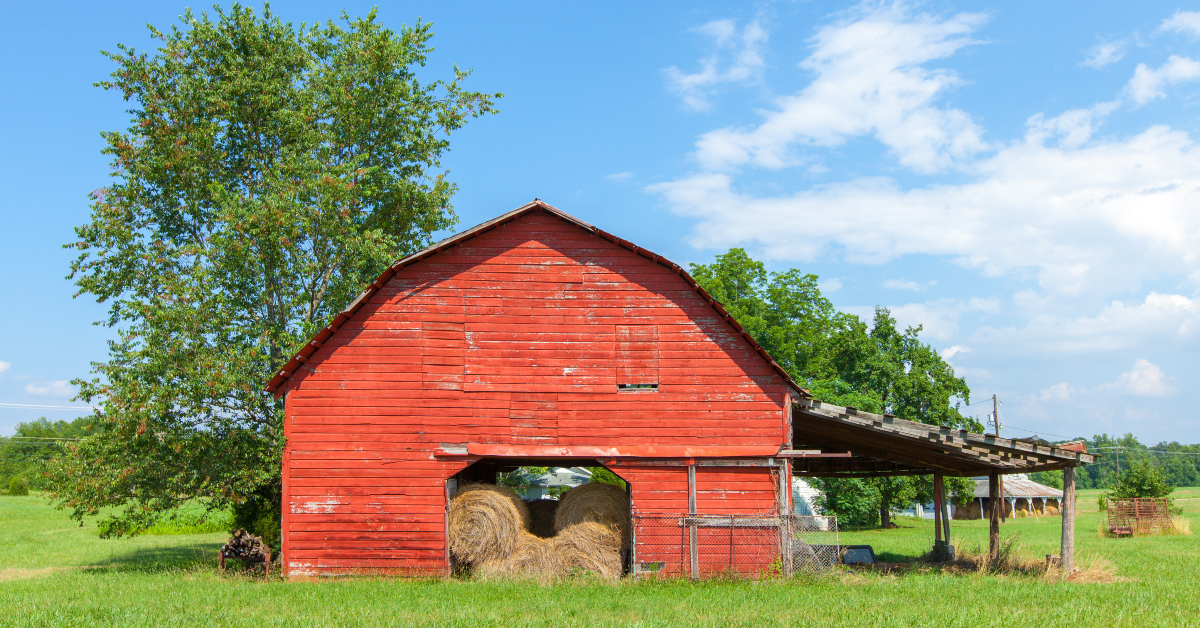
{"x": 24, "y": 454}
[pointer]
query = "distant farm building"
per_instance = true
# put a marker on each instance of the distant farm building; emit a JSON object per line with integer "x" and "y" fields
{"x": 536, "y": 339}
{"x": 1022, "y": 498}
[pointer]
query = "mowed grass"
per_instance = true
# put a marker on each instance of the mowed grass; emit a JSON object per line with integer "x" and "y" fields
{"x": 55, "y": 573}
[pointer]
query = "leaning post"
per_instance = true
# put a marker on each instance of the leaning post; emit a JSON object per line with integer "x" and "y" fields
{"x": 1068, "y": 521}
{"x": 996, "y": 505}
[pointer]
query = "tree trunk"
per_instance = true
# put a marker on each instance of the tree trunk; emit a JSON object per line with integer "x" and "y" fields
{"x": 885, "y": 517}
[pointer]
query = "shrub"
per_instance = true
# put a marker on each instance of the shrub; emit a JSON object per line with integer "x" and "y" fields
{"x": 18, "y": 486}
{"x": 260, "y": 514}
{"x": 1141, "y": 480}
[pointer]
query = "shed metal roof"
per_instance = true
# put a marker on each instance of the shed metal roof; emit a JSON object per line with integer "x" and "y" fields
{"x": 883, "y": 445}
{"x": 1018, "y": 486}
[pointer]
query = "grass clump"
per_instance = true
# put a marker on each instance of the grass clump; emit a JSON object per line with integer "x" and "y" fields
{"x": 18, "y": 487}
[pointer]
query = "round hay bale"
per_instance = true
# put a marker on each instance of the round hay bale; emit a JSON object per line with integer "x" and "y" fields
{"x": 587, "y": 547}
{"x": 530, "y": 558}
{"x": 484, "y": 525}
{"x": 541, "y": 512}
{"x": 511, "y": 495}
{"x": 600, "y": 503}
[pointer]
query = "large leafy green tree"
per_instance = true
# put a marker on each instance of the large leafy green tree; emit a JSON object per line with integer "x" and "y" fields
{"x": 268, "y": 173}
{"x": 843, "y": 360}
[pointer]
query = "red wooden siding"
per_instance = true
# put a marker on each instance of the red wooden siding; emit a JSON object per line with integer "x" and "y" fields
{"x": 516, "y": 336}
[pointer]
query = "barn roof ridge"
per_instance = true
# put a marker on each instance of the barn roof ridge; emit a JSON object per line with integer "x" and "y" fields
{"x": 301, "y": 356}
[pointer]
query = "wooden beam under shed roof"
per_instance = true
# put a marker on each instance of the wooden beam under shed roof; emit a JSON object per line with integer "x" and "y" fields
{"x": 919, "y": 447}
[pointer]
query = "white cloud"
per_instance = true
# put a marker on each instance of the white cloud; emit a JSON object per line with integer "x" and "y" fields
{"x": 1104, "y": 54}
{"x": 830, "y": 285}
{"x": 938, "y": 318}
{"x": 1158, "y": 318}
{"x": 60, "y": 388}
{"x": 950, "y": 352}
{"x": 1182, "y": 22}
{"x": 1148, "y": 84}
{"x": 1145, "y": 380}
{"x": 4, "y": 366}
{"x": 904, "y": 284}
{"x": 869, "y": 79}
{"x": 1060, "y": 392}
{"x": 619, "y": 176}
{"x": 746, "y": 65}
{"x": 1100, "y": 217}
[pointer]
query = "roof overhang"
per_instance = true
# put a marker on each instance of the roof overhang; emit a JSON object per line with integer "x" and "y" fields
{"x": 883, "y": 445}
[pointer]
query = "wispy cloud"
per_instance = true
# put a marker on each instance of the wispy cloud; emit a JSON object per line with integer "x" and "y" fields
{"x": 870, "y": 79}
{"x": 1060, "y": 392}
{"x": 832, "y": 284}
{"x": 60, "y": 388}
{"x": 4, "y": 366}
{"x": 1149, "y": 83}
{"x": 1144, "y": 380}
{"x": 1103, "y": 54}
{"x": 1187, "y": 22}
{"x": 746, "y": 65}
{"x": 904, "y": 284}
{"x": 950, "y": 352}
{"x": 619, "y": 176}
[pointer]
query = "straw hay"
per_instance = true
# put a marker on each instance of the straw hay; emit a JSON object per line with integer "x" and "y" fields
{"x": 541, "y": 511}
{"x": 521, "y": 506}
{"x": 530, "y": 558}
{"x": 586, "y": 548}
{"x": 485, "y": 522}
{"x": 599, "y": 503}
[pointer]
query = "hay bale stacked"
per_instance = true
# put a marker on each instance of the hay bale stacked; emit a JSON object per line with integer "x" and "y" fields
{"x": 501, "y": 536}
{"x": 485, "y": 522}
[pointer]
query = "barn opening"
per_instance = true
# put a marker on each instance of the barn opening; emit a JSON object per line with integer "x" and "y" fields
{"x": 541, "y": 503}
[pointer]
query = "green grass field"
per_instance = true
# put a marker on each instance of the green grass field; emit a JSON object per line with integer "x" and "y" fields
{"x": 55, "y": 573}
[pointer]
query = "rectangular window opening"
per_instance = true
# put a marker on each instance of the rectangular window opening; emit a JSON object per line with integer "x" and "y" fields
{"x": 633, "y": 387}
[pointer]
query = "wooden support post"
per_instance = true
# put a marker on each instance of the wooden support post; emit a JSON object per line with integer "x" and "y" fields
{"x": 945, "y": 513}
{"x": 785, "y": 519}
{"x": 1067, "y": 552}
{"x": 693, "y": 550}
{"x": 937, "y": 510}
{"x": 996, "y": 507}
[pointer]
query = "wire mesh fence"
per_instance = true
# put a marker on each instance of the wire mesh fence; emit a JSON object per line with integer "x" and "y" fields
{"x": 744, "y": 546}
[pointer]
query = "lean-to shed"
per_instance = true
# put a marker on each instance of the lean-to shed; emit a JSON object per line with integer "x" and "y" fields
{"x": 537, "y": 339}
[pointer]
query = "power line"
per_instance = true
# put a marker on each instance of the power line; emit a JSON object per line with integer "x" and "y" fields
{"x": 29, "y": 405}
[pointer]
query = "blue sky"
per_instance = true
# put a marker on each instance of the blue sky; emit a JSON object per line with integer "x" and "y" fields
{"x": 1020, "y": 179}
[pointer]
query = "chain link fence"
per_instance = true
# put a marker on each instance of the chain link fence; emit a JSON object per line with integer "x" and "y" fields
{"x": 739, "y": 546}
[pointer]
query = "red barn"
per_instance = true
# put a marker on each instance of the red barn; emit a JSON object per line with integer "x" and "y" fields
{"x": 537, "y": 339}
{"x": 531, "y": 338}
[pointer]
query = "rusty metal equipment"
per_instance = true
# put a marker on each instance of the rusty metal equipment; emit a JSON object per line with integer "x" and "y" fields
{"x": 1129, "y": 517}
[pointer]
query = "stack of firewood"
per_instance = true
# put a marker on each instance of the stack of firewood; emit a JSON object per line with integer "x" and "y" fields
{"x": 247, "y": 548}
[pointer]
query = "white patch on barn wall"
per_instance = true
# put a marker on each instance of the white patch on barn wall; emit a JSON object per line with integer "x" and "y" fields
{"x": 329, "y": 505}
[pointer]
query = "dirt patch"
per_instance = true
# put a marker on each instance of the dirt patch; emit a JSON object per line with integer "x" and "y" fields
{"x": 17, "y": 573}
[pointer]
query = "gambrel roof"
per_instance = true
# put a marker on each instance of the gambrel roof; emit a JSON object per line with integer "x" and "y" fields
{"x": 301, "y": 356}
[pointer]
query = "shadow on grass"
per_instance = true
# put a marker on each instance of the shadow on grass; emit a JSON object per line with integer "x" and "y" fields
{"x": 196, "y": 556}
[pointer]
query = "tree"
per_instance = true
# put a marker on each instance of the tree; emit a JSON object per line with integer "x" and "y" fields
{"x": 1141, "y": 480}
{"x": 34, "y": 444}
{"x": 269, "y": 172}
{"x": 842, "y": 360}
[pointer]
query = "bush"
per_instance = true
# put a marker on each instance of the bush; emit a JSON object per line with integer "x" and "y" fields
{"x": 18, "y": 486}
{"x": 1141, "y": 480}
{"x": 260, "y": 514}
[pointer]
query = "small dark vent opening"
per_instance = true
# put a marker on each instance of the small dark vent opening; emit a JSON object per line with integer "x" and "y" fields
{"x": 632, "y": 387}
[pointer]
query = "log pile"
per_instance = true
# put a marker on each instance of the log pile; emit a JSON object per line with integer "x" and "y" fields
{"x": 246, "y": 547}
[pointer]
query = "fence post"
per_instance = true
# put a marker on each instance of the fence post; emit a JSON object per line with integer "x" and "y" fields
{"x": 785, "y": 519}
{"x": 692, "y": 549}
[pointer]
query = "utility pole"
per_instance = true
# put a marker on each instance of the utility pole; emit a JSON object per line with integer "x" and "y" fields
{"x": 1000, "y": 479}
